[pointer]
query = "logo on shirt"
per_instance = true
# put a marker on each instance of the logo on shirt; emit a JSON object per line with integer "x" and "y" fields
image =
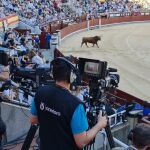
{"x": 43, "y": 107}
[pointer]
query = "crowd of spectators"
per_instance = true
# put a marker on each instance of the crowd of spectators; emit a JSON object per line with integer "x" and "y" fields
{"x": 27, "y": 44}
{"x": 21, "y": 42}
{"x": 94, "y": 8}
{"x": 4, "y": 12}
{"x": 145, "y": 4}
{"x": 37, "y": 12}
{"x": 23, "y": 50}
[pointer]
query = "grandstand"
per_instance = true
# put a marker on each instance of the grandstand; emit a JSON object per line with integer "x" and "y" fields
{"x": 36, "y": 12}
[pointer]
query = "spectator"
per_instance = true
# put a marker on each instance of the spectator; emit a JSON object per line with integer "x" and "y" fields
{"x": 36, "y": 42}
{"x": 35, "y": 58}
{"x": 4, "y": 73}
{"x": 48, "y": 40}
{"x": 140, "y": 136}
{"x": 79, "y": 94}
{"x": 29, "y": 45}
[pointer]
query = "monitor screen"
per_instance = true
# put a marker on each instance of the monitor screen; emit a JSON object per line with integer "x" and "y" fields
{"x": 92, "y": 68}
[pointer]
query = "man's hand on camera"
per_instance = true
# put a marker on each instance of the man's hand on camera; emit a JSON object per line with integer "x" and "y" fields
{"x": 85, "y": 137}
{"x": 102, "y": 120}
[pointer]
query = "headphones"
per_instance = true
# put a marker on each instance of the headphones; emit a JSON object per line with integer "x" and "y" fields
{"x": 73, "y": 71}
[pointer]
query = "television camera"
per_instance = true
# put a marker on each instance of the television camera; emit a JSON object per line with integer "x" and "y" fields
{"x": 31, "y": 78}
{"x": 28, "y": 79}
{"x": 100, "y": 78}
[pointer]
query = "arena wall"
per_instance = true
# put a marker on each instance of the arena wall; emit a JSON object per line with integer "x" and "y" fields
{"x": 16, "y": 119}
{"x": 72, "y": 29}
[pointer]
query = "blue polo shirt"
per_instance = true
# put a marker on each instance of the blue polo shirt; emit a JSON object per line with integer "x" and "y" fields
{"x": 79, "y": 121}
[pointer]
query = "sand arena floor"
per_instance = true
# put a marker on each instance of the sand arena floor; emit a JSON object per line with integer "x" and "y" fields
{"x": 125, "y": 47}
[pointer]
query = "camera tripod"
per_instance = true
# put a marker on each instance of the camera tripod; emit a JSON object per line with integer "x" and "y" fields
{"x": 30, "y": 136}
{"x": 108, "y": 133}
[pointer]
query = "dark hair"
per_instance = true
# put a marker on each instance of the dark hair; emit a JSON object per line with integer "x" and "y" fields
{"x": 141, "y": 135}
{"x": 11, "y": 42}
{"x": 61, "y": 71}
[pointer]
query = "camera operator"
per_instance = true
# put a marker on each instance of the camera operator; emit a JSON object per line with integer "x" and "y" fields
{"x": 60, "y": 115}
{"x": 140, "y": 136}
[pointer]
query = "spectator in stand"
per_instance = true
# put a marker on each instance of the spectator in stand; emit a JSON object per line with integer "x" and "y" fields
{"x": 37, "y": 41}
{"x": 48, "y": 40}
{"x": 4, "y": 74}
{"x": 28, "y": 36}
{"x": 21, "y": 58}
{"x": 22, "y": 39}
{"x": 6, "y": 35}
{"x": 79, "y": 93}
{"x": 140, "y": 136}
{"x": 47, "y": 64}
{"x": 29, "y": 45}
{"x": 36, "y": 59}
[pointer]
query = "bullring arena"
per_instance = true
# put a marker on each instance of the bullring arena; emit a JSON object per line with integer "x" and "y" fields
{"x": 125, "y": 47}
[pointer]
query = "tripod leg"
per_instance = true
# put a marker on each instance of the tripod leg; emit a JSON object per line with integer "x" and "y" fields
{"x": 29, "y": 137}
{"x": 109, "y": 136}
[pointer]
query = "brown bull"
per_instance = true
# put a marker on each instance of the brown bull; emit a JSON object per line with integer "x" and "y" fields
{"x": 92, "y": 40}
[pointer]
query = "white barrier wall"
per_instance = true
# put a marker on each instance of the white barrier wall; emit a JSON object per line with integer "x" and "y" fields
{"x": 16, "y": 119}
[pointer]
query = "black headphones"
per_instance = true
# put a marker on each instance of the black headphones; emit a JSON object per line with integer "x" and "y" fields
{"x": 73, "y": 71}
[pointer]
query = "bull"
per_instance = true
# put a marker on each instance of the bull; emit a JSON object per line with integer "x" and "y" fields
{"x": 92, "y": 40}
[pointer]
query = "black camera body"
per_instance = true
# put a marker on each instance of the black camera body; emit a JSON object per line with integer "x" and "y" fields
{"x": 32, "y": 78}
{"x": 100, "y": 78}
